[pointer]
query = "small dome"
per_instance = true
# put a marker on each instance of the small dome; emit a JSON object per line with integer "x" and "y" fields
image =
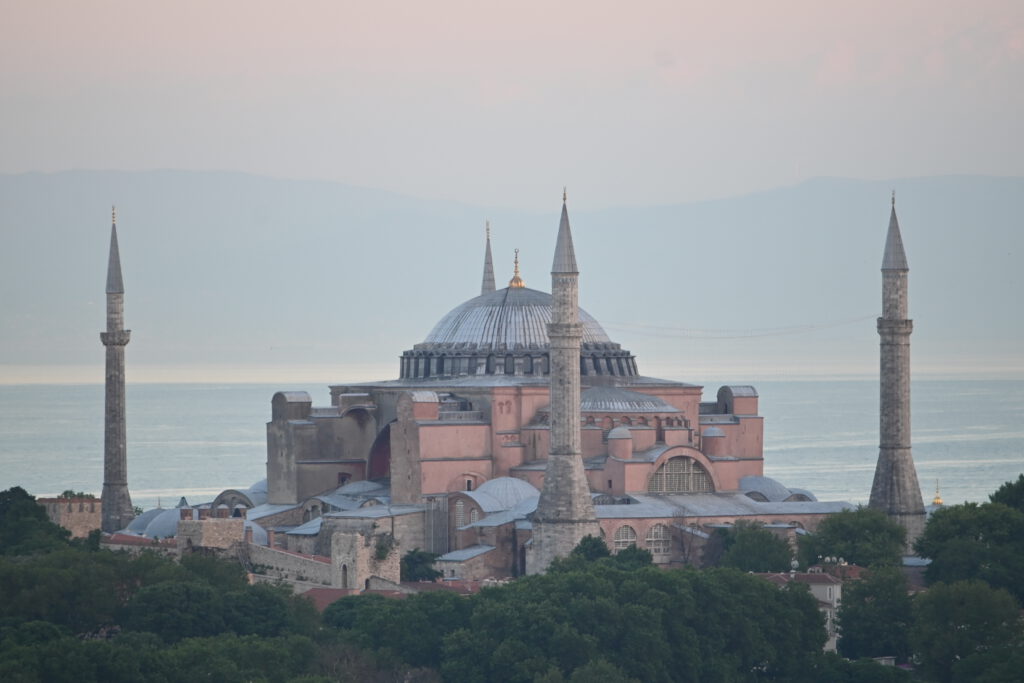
{"x": 259, "y": 534}
{"x": 505, "y": 318}
{"x": 621, "y": 432}
{"x": 164, "y": 524}
{"x": 139, "y": 524}
{"x": 503, "y": 493}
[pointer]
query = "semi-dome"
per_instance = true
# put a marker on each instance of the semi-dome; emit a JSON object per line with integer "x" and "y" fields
{"x": 505, "y": 332}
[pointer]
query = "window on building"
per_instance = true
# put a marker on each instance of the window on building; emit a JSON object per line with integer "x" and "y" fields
{"x": 680, "y": 475}
{"x": 469, "y": 484}
{"x": 625, "y": 536}
{"x": 659, "y": 541}
{"x": 474, "y": 515}
{"x": 460, "y": 514}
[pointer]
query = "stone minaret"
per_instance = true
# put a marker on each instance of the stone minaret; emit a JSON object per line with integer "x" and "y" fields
{"x": 565, "y": 512}
{"x": 895, "y": 490}
{"x": 117, "y": 504}
{"x": 488, "y": 281}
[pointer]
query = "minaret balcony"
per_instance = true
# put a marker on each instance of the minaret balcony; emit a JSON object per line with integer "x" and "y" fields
{"x": 115, "y": 338}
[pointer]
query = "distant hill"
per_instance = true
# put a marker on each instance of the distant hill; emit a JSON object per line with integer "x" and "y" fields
{"x": 234, "y": 269}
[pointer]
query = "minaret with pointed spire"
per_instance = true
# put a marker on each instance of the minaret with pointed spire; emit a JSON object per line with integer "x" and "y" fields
{"x": 565, "y": 512}
{"x": 488, "y": 281}
{"x": 117, "y": 503}
{"x": 895, "y": 490}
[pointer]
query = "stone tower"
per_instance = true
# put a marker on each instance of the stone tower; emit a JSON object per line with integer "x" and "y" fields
{"x": 895, "y": 490}
{"x": 488, "y": 279}
{"x": 117, "y": 503}
{"x": 565, "y": 512}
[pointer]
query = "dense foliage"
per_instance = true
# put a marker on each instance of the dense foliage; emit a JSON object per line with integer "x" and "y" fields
{"x": 752, "y": 548}
{"x": 69, "y": 611}
{"x": 1011, "y": 494}
{"x": 863, "y": 536}
{"x": 418, "y": 565}
{"x": 961, "y": 628}
{"x": 24, "y": 526}
{"x": 875, "y": 617}
{"x": 972, "y": 541}
{"x": 573, "y": 623}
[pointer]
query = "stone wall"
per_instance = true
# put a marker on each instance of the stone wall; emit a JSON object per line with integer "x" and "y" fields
{"x": 291, "y": 567}
{"x": 80, "y": 516}
{"x": 354, "y": 556}
{"x": 219, "y": 534}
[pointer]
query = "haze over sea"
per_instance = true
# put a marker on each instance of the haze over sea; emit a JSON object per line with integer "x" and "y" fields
{"x": 195, "y": 440}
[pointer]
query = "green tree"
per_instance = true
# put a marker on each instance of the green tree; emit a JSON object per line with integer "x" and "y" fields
{"x": 752, "y": 548}
{"x": 957, "y": 621}
{"x": 972, "y": 541}
{"x": 591, "y": 548}
{"x": 631, "y": 558}
{"x": 69, "y": 493}
{"x": 176, "y": 610}
{"x": 863, "y": 536}
{"x": 418, "y": 565}
{"x": 1011, "y": 494}
{"x": 24, "y": 526}
{"x": 875, "y": 616}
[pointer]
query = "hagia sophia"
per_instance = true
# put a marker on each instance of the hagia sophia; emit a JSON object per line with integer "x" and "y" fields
{"x": 514, "y": 428}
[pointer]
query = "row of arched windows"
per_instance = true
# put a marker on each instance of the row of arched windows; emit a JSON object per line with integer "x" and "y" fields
{"x": 658, "y": 540}
{"x": 460, "y": 514}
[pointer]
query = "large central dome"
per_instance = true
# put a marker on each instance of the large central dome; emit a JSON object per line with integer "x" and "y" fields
{"x": 506, "y": 318}
{"x": 505, "y": 332}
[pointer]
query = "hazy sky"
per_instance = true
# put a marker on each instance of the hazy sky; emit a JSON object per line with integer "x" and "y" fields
{"x": 503, "y": 103}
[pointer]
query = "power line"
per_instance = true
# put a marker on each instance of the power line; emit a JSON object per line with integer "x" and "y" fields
{"x": 697, "y": 333}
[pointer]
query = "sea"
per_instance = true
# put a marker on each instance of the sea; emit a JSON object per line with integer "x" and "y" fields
{"x": 195, "y": 440}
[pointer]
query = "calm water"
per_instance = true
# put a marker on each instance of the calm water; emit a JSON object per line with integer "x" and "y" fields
{"x": 198, "y": 439}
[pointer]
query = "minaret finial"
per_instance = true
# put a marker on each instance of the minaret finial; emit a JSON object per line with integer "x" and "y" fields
{"x": 937, "y": 500}
{"x": 488, "y": 280}
{"x": 113, "y": 214}
{"x": 894, "y": 198}
{"x": 564, "y": 195}
{"x": 516, "y": 282}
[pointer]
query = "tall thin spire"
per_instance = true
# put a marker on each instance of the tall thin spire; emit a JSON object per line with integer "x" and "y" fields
{"x": 488, "y": 281}
{"x": 115, "y": 285}
{"x": 565, "y": 512}
{"x": 116, "y": 501}
{"x": 895, "y": 489}
{"x": 565, "y": 254}
{"x": 894, "y": 258}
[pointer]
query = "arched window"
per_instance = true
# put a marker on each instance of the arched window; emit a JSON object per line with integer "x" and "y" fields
{"x": 440, "y": 365}
{"x": 625, "y": 536}
{"x": 659, "y": 541}
{"x": 680, "y": 475}
{"x": 460, "y": 514}
{"x": 474, "y": 515}
{"x": 510, "y": 364}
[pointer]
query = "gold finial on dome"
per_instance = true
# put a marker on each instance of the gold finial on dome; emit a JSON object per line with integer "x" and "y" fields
{"x": 516, "y": 282}
{"x": 937, "y": 500}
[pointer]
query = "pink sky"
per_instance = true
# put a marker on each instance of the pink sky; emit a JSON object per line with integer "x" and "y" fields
{"x": 498, "y": 103}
